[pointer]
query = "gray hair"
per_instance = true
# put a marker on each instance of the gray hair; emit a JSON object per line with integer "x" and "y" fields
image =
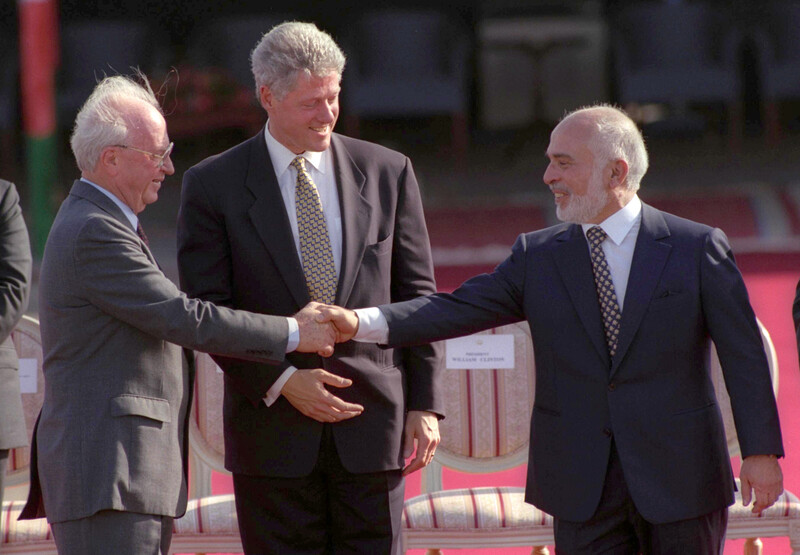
{"x": 290, "y": 48}
{"x": 102, "y": 120}
{"x": 616, "y": 137}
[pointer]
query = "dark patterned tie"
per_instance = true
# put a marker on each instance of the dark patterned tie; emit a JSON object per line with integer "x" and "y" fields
{"x": 140, "y": 232}
{"x": 609, "y": 307}
{"x": 315, "y": 245}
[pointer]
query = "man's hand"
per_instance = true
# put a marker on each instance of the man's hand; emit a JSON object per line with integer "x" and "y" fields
{"x": 761, "y": 473}
{"x": 316, "y": 335}
{"x": 422, "y": 428}
{"x": 306, "y": 391}
{"x": 344, "y": 320}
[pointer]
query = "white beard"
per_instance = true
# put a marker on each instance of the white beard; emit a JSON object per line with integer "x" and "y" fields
{"x": 584, "y": 209}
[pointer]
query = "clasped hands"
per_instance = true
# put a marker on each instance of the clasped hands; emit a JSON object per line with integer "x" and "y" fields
{"x": 321, "y": 326}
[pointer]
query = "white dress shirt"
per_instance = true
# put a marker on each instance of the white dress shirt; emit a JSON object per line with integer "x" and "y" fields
{"x": 622, "y": 228}
{"x": 319, "y": 166}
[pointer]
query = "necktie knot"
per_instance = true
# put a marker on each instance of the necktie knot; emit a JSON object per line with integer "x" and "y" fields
{"x": 596, "y": 235}
{"x": 140, "y": 232}
{"x": 299, "y": 163}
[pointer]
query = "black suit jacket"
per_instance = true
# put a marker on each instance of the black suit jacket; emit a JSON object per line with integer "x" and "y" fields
{"x": 235, "y": 248}
{"x": 655, "y": 397}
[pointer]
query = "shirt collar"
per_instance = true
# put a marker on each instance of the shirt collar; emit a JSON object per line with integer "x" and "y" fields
{"x": 132, "y": 218}
{"x": 618, "y": 225}
{"x": 282, "y": 157}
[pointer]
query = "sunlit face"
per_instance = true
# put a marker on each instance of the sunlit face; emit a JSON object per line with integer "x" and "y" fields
{"x": 579, "y": 187}
{"x": 303, "y": 120}
{"x": 140, "y": 177}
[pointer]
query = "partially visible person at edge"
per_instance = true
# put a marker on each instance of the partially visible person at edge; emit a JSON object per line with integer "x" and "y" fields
{"x": 15, "y": 286}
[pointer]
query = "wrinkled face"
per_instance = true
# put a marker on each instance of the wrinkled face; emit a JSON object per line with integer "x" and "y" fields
{"x": 578, "y": 186}
{"x": 304, "y": 119}
{"x": 140, "y": 177}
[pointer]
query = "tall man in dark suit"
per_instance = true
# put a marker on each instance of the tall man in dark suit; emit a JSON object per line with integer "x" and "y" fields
{"x": 628, "y": 451}
{"x": 111, "y": 440}
{"x": 299, "y": 213}
{"x": 15, "y": 285}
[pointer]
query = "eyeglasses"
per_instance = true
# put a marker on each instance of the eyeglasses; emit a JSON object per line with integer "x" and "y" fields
{"x": 160, "y": 159}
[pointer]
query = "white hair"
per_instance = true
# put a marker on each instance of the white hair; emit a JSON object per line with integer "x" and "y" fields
{"x": 292, "y": 48}
{"x": 615, "y": 137}
{"x": 103, "y": 119}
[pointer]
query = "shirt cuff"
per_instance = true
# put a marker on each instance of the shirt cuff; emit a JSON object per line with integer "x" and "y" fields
{"x": 294, "y": 335}
{"x": 372, "y": 326}
{"x": 275, "y": 391}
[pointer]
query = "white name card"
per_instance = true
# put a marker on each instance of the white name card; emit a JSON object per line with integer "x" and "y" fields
{"x": 27, "y": 375}
{"x": 480, "y": 352}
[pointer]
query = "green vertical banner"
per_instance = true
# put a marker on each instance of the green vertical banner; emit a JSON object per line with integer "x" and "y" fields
{"x": 38, "y": 37}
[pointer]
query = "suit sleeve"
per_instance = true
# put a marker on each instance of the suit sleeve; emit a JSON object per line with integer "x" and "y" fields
{"x": 734, "y": 330}
{"x": 411, "y": 277}
{"x": 15, "y": 263}
{"x": 204, "y": 268}
{"x": 119, "y": 279}
{"x": 482, "y": 302}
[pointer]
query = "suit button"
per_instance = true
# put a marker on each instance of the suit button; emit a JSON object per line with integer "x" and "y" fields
{"x": 612, "y": 386}
{"x": 607, "y": 432}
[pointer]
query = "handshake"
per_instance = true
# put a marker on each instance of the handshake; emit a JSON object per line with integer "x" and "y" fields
{"x": 321, "y": 326}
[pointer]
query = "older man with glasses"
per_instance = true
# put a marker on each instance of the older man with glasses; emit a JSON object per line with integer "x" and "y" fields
{"x": 109, "y": 461}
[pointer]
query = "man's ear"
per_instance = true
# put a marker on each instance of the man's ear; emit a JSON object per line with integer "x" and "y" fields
{"x": 619, "y": 173}
{"x": 266, "y": 98}
{"x": 109, "y": 160}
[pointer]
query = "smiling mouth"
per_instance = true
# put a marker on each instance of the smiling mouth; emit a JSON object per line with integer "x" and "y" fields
{"x": 323, "y": 129}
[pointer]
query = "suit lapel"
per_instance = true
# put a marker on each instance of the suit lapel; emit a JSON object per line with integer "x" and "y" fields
{"x": 575, "y": 267}
{"x": 84, "y": 190}
{"x": 649, "y": 258}
{"x": 356, "y": 214}
{"x": 268, "y": 215}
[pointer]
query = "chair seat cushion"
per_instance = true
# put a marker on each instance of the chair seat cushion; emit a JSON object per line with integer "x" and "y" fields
{"x": 214, "y": 515}
{"x": 28, "y": 532}
{"x": 486, "y": 508}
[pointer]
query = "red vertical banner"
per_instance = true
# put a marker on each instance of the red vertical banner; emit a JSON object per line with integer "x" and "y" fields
{"x": 38, "y": 38}
{"x": 38, "y": 47}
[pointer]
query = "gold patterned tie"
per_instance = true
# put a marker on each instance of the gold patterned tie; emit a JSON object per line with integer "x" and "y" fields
{"x": 606, "y": 294}
{"x": 315, "y": 245}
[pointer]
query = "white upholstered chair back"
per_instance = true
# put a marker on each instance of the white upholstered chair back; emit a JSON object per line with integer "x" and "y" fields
{"x": 28, "y": 344}
{"x": 206, "y": 435}
{"x": 487, "y": 428}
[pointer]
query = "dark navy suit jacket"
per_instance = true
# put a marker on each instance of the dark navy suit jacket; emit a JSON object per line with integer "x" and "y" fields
{"x": 655, "y": 398}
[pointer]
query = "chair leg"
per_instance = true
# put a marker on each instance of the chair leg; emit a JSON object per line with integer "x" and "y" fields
{"x": 794, "y": 537}
{"x": 540, "y": 550}
{"x": 753, "y": 546}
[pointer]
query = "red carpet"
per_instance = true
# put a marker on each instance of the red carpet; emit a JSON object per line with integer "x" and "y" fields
{"x": 771, "y": 280}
